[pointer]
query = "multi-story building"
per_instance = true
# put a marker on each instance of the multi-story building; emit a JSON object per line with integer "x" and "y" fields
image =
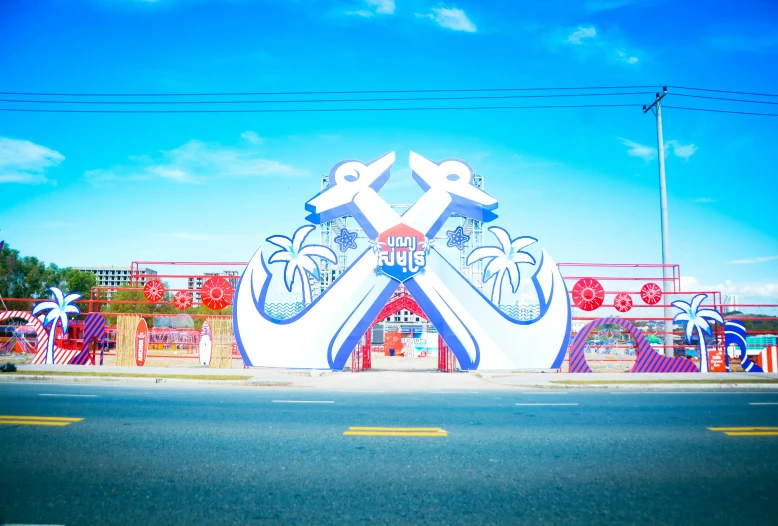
{"x": 112, "y": 277}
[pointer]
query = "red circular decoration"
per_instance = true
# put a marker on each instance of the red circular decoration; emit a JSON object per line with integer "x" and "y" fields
{"x": 622, "y": 302}
{"x": 216, "y": 293}
{"x": 588, "y": 294}
{"x": 651, "y": 293}
{"x": 153, "y": 290}
{"x": 182, "y": 300}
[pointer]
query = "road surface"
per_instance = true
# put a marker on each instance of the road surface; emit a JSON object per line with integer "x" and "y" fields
{"x": 161, "y": 455}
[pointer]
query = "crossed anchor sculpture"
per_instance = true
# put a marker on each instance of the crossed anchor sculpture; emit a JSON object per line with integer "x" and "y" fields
{"x": 325, "y": 332}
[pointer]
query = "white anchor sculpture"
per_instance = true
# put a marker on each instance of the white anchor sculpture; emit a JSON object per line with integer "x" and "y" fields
{"x": 324, "y": 334}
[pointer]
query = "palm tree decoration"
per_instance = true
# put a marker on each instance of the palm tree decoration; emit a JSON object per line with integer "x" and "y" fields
{"x": 697, "y": 320}
{"x": 503, "y": 260}
{"x": 299, "y": 259}
{"x": 58, "y": 315}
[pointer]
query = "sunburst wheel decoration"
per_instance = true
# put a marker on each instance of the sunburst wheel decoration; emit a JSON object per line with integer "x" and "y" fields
{"x": 216, "y": 293}
{"x": 651, "y": 293}
{"x": 588, "y": 294}
{"x": 622, "y": 302}
{"x": 182, "y": 300}
{"x": 153, "y": 290}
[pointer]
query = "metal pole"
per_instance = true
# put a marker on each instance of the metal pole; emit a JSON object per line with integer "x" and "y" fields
{"x": 666, "y": 271}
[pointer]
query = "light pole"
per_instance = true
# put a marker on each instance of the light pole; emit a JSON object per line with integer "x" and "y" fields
{"x": 666, "y": 272}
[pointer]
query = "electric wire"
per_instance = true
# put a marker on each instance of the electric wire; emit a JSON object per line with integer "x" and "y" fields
{"x": 722, "y": 111}
{"x": 391, "y": 99}
{"x": 722, "y": 98}
{"x": 353, "y": 92}
{"x": 726, "y": 91}
{"x": 327, "y": 110}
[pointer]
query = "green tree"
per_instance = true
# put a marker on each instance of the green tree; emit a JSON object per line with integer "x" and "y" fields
{"x": 78, "y": 281}
{"x": 26, "y": 277}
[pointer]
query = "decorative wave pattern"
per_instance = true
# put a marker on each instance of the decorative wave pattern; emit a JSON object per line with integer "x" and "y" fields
{"x": 283, "y": 311}
{"x": 648, "y": 361}
{"x": 735, "y": 334}
{"x": 521, "y": 312}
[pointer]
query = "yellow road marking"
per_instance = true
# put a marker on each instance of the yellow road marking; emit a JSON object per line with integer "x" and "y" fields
{"x": 32, "y": 423}
{"x": 57, "y": 421}
{"x": 394, "y": 428}
{"x": 396, "y": 431}
{"x": 749, "y": 428}
{"x": 752, "y": 433}
{"x": 394, "y": 434}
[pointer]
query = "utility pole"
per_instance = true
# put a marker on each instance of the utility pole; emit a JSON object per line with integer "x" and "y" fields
{"x": 666, "y": 272}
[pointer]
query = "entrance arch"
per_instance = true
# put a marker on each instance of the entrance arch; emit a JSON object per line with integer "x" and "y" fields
{"x": 402, "y": 300}
{"x": 649, "y": 361}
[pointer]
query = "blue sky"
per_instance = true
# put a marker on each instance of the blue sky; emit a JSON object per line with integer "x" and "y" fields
{"x": 83, "y": 189}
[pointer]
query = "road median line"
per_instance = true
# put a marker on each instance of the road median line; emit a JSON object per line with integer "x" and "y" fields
{"x": 56, "y": 421}
{"x": 396, "y": 431}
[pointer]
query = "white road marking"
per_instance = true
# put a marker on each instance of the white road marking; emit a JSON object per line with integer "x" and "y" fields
{"x": 545, "y": 404}
{"x": 304, "y": 401}
{"x": 69, "y": 395}
{"x": 762, "y": 403}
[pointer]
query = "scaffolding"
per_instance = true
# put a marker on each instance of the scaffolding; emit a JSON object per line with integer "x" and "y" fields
{"x": 329, "y": 230}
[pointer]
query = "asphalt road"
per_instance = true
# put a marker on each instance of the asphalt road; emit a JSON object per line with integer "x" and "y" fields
{"x": 241, "y": 456}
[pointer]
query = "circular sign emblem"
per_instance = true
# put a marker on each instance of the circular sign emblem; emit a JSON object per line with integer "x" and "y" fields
{"x": 651, "y": 293}
{"x": 588, "y": 294}
{"x": 182, "y": 300}
{"x": 153, "y": 290}
{"x": 622, "y": 302}
{"x": 216, "y": 293}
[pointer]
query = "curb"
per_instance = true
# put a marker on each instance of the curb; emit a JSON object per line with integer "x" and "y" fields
{"x": 139, "y": 380}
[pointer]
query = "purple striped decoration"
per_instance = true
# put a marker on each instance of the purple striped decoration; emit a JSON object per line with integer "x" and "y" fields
{"x": 94, "y": 326}
{"x": 649, "y": 361}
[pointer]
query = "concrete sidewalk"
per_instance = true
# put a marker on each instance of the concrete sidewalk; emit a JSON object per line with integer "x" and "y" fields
{"x": 387, "y": 380}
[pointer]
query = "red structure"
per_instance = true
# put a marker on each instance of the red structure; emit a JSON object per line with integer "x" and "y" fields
{"x": 401, "y": 300}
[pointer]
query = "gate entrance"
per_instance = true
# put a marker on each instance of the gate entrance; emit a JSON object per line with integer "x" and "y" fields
{"x": 402, "y": 338}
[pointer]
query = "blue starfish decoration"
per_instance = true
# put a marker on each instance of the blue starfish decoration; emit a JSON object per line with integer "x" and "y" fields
{"x": 457, "y": 238}
{"x": 346, "y": 240}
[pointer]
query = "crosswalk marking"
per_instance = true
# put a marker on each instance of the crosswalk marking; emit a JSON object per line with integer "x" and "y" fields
{"x": 54, "y": 421}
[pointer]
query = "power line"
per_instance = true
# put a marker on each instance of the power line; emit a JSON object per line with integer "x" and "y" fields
{"x": 326, "y": 110}
{"x": 723, "y": 98}
{"x": 724, "y": 111}
{"x": 391, "y": 99}
{"x": 727, "y": 91}
{"x": 359, "y": 92}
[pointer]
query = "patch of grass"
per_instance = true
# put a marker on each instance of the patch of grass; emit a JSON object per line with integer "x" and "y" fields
{"x": 709, "y": 381}
{"x": 137, "y": 375}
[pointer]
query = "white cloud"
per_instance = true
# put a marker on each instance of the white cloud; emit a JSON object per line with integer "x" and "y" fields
{"x": 26, "y": 162}
{"x": 648, "y": 153}
{"x": 194, "y": 163}
{"x": 251, "y": 137}
{"x": 450, "y": 18}
{"x": 684, "y": 151}
{"x": 589, "y": 42}
{"x": 625, "y": 57}
{"x": 582, "y": 33}
{"x": 381, "y": 7}
{"x": 639, "y": 150}
{"x": 729, "y": 288}
{"x": 751, "y": 261}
